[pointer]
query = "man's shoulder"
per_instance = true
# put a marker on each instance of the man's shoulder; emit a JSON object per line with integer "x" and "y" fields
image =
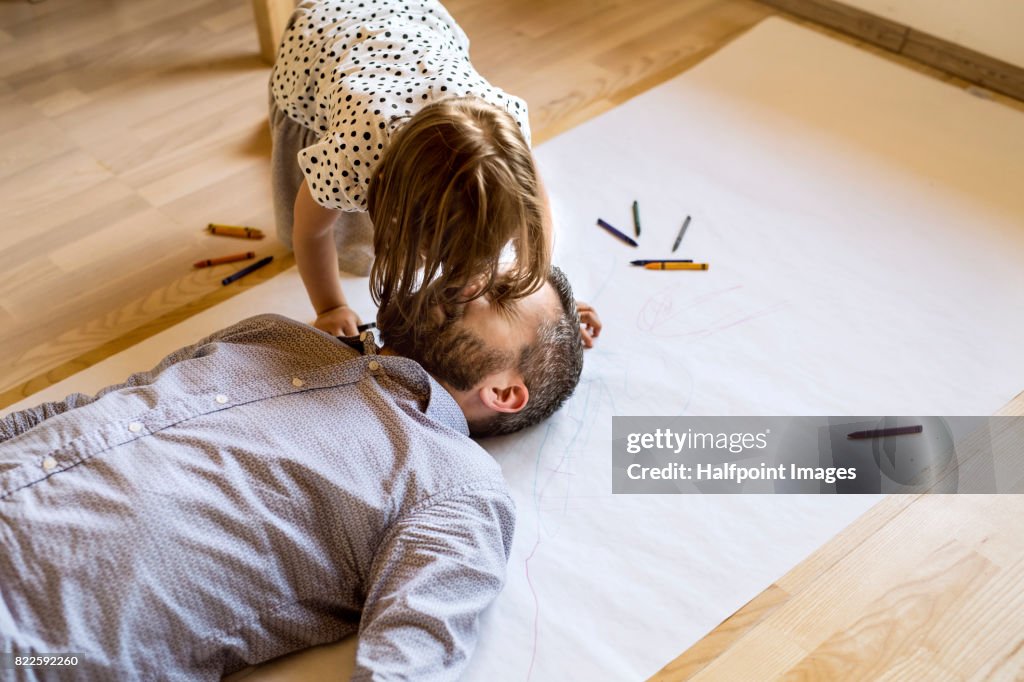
{"x": 271, "y": 328}
{"x": 269, "y": 322}
{"x": 271, "y": 342}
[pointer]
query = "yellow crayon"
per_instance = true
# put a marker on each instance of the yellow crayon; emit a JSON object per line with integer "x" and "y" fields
{"x": 235, "y": 231}
{"x": 676, "y": 266}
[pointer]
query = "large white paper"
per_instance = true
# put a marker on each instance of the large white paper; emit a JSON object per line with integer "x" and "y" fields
{"x": 864, "y": 226}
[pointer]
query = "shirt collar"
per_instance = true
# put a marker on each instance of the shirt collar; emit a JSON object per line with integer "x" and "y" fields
{"x": 439, "y": 404}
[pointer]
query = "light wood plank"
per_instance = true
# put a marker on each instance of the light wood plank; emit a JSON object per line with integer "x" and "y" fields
{"x": 967, "y": 64}
{"x": 697, "y": 657}
{"x": 271, "y": 18}
{"x": 880, "y": 633}
{"x": 849, "y": 20}
{"x": 926, "y": 49}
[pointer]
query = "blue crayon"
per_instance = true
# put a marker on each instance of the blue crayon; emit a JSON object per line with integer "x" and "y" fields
{"x": 245, "y": 271}
{"x": 616, "y": 233}
{"x": 660, "y": 260}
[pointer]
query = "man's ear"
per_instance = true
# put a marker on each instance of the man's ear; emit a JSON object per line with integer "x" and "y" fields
{"x": 508, "y": 396}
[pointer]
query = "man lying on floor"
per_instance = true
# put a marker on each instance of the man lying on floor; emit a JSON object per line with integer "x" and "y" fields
{"x": 271, "y": 488}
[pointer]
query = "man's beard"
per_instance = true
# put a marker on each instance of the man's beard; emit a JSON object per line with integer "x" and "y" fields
{"x": 449, "y": 352}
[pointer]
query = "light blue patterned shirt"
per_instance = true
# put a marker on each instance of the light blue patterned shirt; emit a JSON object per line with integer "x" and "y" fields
{"x": 264, "y": 490}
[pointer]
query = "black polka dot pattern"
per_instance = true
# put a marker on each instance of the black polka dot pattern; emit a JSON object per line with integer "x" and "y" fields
{"x": 354, "y": 71}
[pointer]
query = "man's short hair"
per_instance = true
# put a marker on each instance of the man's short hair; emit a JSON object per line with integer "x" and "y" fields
{"x": 550, "y": 366}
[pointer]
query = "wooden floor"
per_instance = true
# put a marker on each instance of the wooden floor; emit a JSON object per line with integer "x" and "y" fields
{"x": 127, "y": 125}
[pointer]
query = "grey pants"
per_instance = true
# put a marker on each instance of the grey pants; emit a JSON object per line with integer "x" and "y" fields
{"x": 353, "y": 231}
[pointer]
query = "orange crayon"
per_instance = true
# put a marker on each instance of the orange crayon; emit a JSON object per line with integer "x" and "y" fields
{"x": 248, "y": 255}
{"x": 670, "y": 265}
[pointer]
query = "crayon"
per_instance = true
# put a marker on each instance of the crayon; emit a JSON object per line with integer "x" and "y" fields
{"x": 246, "y": 270}
{"x": 659, "y": 260}
{"x": 235, "y": 231}
{"x": 616, "y": 233}
{"x": 636, "y": 218}
{"x": 682, "y": 231}
{"x": 880, "y": 433}
{"x": 669, "y": 265}
{"x": 224, "y": 259}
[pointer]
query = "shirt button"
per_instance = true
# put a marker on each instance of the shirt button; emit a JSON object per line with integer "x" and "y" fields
{"x": 49, "y": 464}
{"x": 135, "y": 427}
{"x": 297, "y": 382}
{"x": 374, "y": 365}
{"x": 221, "y": 398}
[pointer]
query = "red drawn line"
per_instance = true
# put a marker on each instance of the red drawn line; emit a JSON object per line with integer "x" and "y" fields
{"x": 538, "y": 497}
{"x": 658, "y": 309}
{"x": 703, "y": 333}
{"x": 536, "y": 608}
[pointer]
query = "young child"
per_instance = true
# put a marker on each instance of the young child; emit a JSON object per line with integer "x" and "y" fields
{"x": 393, "y": 157}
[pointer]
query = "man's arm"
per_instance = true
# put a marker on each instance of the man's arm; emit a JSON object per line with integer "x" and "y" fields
{"x": 17, "y": 423}
{"x": 438, "y": 570}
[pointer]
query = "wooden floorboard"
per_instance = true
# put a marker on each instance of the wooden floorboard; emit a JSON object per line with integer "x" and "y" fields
{"x": 953, "y": 59}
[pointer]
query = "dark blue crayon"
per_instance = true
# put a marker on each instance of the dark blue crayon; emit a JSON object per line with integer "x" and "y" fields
{"x": 245, "y": 271}
{"x": 659, "y": 260}
{"x": 616, "y": 233}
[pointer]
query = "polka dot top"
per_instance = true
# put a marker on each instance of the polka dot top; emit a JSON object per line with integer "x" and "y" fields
{"x": 354, "y": 71}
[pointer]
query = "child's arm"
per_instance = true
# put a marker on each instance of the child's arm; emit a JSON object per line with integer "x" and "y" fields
{"x": 317, "y": 258}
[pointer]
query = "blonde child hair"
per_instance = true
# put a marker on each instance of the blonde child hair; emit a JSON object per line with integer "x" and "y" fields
{"x": 456, "y": 184}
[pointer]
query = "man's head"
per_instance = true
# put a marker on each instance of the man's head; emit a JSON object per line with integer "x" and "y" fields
{"x": 508, "y": 363}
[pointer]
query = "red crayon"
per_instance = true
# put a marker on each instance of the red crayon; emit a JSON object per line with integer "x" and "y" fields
{"x": 248, "y": 255}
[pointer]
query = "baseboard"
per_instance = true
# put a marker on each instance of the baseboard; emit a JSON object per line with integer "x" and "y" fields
{"x": 938, "y": 53}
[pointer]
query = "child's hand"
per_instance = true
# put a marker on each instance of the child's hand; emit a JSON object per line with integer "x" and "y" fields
{"x": 338, "y": 321}
{"x": 590, "y": 323}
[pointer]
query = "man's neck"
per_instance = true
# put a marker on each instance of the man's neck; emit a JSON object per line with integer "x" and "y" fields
{"x": 464, "y": 399}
